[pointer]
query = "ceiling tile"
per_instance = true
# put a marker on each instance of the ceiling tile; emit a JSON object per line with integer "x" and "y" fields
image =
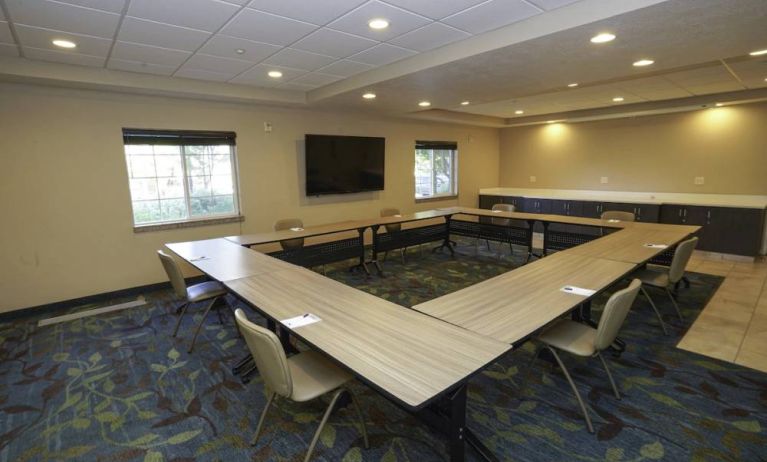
{"x": 210, "y": 63}
{"x": 297, "y": 86}
{"x": 222, "y": 45}
{"x": 653, "y": 88}
{"x": 298, "y": 59}
{"x": 199, "y": 74}
{"x": 113, "y": 6}
{"x": 706, "y": 80}
{"x": 549, "y": 5}
{"x": 400, "y": 21}
{"x": 5, "y": 33}
{"x": 238, "y": 2}
{"x": 333, "y": 43}
{"x": 382, "y": 54}
{"x": 148, "y": 54}
{"x": 64, "y": 17}
{"x": 268, "y": 28}
{"x": 63, "y": 57}
{"x": 258, "y": 76}
{"x": 143, "y": 68}
{"x": 2, "y": 15}
{"x": 161, "y": 35}
{"x": 315, "y": 78}
{"x": 314, "y": 12}
{"x": 345, "y": 68}
{"x": 752, "y": 72}
{"x": 429, "y": 37}
{"x": 435, "y": 9}
{"x": 207, "y": 15}
{"x": 492, "y": 15}
{"x": 36, "y": 37}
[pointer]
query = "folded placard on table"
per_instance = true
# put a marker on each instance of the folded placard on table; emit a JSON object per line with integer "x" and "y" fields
{"x": 296, "y": 229}
{"x": 299, "y": 321}
{"x": 578, "y": 291}
{"x": 656, "y": 246}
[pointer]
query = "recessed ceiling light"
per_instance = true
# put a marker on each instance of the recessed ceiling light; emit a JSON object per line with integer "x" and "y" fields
{"x": 519, "y": 112}
{"x": 719, "y": 104}
{"x": 550, "y": 121}
{"x": 759, "y": 52}
{"x": 239, "y": 51}
{"x": 572, "y": 85}
{"x": 64, "y": 43}
{"x": 617, "y": 99}
{"x": 274, "y": 74}
{"x": 604, "y": 37}
{"x": 369, "y": 96}
{"x": 424, "y": 104}
{"x": 465, "y": 103}
{"x": 378, "y": 23}
{"x": 643, "y": 62}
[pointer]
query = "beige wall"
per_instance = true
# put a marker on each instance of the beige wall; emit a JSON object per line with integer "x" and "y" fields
{"x": 67, "y": 227}
{"x": 727, "y": 146}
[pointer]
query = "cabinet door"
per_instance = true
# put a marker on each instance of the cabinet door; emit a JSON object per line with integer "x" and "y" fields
{"x": 558, "y": 207}
{"x": 647, "y": 213}
{"x": 487, "y": 202}
{"x": 591, "y": 209}
{"x": 672, "y": 214}
{"x": 513, "y": 200}
{"x": 733, "y": 230}
{"x": 544, "y": 205}
{"x": 575, "y": 208}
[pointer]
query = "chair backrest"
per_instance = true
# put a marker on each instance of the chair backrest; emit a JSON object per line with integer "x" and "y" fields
{"x": 268, "y": 354}
{"x": 682, "y": 256}
{"x": 287, "y": 223}
{"x": 617, "y": 215}
{"x": 174, "y": 274}
{"x": 503, "y": 208}
{"x": 615, "y": 312}
{"x": 389, "y": 212}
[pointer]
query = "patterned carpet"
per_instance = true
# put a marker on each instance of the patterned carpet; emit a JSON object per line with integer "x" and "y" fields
{"x": 119, "y": 388}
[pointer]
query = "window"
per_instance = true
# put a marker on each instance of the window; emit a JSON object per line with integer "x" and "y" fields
{"x": 180, "y": 176}
{"x": 436, "y": 169}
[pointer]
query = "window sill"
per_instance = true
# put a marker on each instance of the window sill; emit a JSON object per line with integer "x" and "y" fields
{"x": 188, "y": 224}
{"x": 418, "y": 200}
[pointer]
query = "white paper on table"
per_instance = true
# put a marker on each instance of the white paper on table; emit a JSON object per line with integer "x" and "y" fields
{"x": 202, "y": 257}
{"x": 397, "y": 215}
{"x": 613, "y": 220}
{"x": 299, "y": 321}
{"x": 578, "y": 291}
{"x": 656, "y": 246}
{"x": 296, "y": 229}
{"x": 496, "y": 211}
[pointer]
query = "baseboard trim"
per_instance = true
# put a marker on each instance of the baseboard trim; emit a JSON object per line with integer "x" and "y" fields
{"x": 55, "y": 307}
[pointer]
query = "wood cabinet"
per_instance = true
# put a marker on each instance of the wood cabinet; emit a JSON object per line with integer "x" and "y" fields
{"x": 732, "y": 230}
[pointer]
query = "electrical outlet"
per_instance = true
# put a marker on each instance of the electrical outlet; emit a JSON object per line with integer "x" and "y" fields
{"x": 267, "y": 127}
{"x": 533, "y": 179}
{"x": 700, "y": 180}
{"x": 603, "y": 180}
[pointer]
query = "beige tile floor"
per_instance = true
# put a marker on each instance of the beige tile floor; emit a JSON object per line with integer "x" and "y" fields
{"x": 733, "y": 325}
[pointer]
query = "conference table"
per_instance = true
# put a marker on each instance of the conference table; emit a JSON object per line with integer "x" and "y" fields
{"x": 423, "y": 358}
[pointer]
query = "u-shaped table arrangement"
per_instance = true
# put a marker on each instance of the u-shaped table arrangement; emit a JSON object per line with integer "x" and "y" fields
{"x": 423, "y": 358}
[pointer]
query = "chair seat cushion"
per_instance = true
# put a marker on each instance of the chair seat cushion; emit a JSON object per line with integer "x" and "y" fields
{"x": 314, "y": 375}
{"x": 204, "y": 291}
{"x": 570, "y": 336}
{"x": 653, "y": 275}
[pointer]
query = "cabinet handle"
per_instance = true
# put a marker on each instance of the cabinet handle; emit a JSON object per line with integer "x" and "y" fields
{"x": 680, "y": 212}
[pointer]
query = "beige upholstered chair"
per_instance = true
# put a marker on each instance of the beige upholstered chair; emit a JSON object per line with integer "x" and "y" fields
{"x": 502, "y": 222}
{"x": 393, "y": 228}
{"x": 582, "y": 340}
{"x": 617, "y": 215}
{"x": 663, "y": 277}
{"x": 290, "y": 244}
{"x": 301, "y": 377}
{"x": 210, "y": 290}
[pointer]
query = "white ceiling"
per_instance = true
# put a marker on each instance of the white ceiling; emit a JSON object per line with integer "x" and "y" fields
{"x": 325, "y": 49}
{"x": 312, "y": 42}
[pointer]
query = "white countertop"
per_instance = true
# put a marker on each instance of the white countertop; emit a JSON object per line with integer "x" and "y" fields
{"x": 632, "y": 197}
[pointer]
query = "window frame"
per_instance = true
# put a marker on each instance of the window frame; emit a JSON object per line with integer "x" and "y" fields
{"x": 433, "y": 146}
{"x": 184, "y": 139}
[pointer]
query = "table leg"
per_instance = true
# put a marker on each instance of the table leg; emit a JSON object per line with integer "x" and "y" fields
{"x": 545, "y": 237}
{"x": 362, "y": 264}
{"x": 375, "y": 261}
{"x": 457, "y": 426}
{"x": 530, "y": 228}
{"x": 446, "y": 241}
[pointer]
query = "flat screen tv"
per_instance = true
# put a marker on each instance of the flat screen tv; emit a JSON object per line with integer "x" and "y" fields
{"x": 344, "y": 164}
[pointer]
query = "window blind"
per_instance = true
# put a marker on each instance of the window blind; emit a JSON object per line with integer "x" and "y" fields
{"x": 132, "y": 136}
{"x": 440, "y": 145}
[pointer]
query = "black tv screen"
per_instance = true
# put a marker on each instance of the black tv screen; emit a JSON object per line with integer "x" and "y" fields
{"x": 344, "y": 164}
